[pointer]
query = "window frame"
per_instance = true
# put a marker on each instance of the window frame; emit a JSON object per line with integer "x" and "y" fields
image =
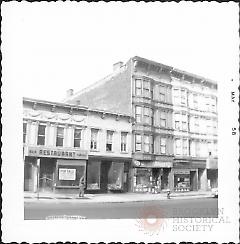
{"x": 163, "y": 119}
{"x": 77, "y": 138}
{"x": 41, "y": 136}
{"x": 57, "y": 136}
{"x": 138, "y": 116}
{"x": 138, "y": 143}
{"x": 94, "y": 140}
{"x": 109, "y": 140}
{"x": 146, "y": 144}
{"x": 123, "y": 142}
{"x": 163, "y": 146}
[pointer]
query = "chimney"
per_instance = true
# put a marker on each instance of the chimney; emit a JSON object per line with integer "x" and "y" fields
{"x": 117, "y": 66}
{"x": 69, "y": 92}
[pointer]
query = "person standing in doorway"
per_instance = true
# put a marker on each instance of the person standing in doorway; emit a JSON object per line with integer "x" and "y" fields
{"x": 81, "y": 186}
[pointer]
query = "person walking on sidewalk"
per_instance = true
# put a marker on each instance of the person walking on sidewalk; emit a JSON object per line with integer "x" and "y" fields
{"x": 81, "y": 187}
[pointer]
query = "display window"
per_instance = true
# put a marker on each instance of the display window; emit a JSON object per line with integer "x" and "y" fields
{"x": 93, "y": 175}
{"x": 143, "y": 177}
{"x": 182, "y": 182}
{"x": 115, "y": 176}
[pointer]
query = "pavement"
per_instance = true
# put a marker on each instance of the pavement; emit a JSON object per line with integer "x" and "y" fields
{"x": 113, "y": 197}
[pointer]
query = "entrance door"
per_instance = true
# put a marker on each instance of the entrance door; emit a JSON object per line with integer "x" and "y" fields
{"x": 193, "y": 181}
{"x": 46, "y": 176}
{"x": 105, "y": 167}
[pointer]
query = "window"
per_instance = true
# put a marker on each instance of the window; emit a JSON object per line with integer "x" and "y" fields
{"x": 178, "y": 146}
{"x": 123, "y": 142}
{"x": 93, "y": 175}
{"x": 138, "y": 143}
{"x": 176, "y": 96}
{"x": 213, "y": 105}
{"x": 146, "y": 89}
{"x": 184, "y": 122}
{"x": 24, "y": 132}
{"x": 185, "y": 147}
{"x": 183, "y": 96}
{"x": 147, "y": 115}
{"x": 162, "y": 145}
{"x": 109, "y": 141}
{"x": 138, "y": 87}
{"x": 209, "y": 148}
{"x": 197, "y": 148}
{"x": 77, "y": 137}
{"x": 163, "y": 120}
{"x": 138, "y": 114}
{"x": 208, "y": 127}
{"x": 162, "y": 93}
{"x": 177, "y": 121}
{"x": 146, "y": 143}
{"x": 60, "y": 136}
{"x": 207, "y": 104}
{"x": 195, "y": 101}
{"x": 196, "y": 124}
{"x": 41, "y": 134}
{"x": 94, "y": 134}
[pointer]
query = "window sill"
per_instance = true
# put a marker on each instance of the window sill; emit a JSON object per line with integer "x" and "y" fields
{"x": 94, "y": 150}
{"x": 124, "y": 152}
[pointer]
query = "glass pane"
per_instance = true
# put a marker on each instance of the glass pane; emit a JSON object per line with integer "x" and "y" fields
{"x": 41, "y": 140}
{"x": 77, "y": 133}
{"x": 76, "y": 143}
{"x": 93, "y": 175}
{"x": 41, "y": 129}
{"x": 59, "y": 142}
{"x": 60, "y": 132}
{"x": 115, "y": 176}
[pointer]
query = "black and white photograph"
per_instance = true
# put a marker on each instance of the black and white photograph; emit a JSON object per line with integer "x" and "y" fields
{"x": 120, "y": 121}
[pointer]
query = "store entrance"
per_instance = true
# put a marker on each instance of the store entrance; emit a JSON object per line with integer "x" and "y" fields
{"x": 46, "y": 174}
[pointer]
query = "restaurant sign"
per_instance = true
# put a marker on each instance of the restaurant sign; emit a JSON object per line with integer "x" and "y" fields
{"x": 67, "y": 174}
{"x": 56, "y": 153}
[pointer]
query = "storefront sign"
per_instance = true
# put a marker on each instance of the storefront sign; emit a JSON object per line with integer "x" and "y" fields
{"x": 182, "y": 171}
{"x": 67, "y": 174}
{"x": 55, "y": 153}
{"x": 153, "y": 164}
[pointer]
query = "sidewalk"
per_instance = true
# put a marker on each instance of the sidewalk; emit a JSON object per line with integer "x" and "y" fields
{"x": 114, "y": 197}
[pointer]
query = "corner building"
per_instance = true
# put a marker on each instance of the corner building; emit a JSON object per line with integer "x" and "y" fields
{"x": 174, "y": 132}
{"x": 62, "y": 143}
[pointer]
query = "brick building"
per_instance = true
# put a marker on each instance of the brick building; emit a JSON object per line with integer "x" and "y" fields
{"x": 62, "y": 143}
{"x": 174, "y": 132}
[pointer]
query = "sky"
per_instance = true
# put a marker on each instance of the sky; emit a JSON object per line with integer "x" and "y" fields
{"x": 49, "y": 48}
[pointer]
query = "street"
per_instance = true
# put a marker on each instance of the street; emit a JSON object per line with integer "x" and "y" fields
{"x": 50, "y": 209}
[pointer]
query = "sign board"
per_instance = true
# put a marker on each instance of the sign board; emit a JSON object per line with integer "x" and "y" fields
{"x": 182, "y": 171}
{"x": 55, "y": 153}
{"x": 153, "y": 164}
{"x": 212, "y": 163}
{"x": 67, "y": 174}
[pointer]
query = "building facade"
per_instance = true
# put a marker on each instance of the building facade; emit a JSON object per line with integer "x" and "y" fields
{"x": 63, "y": 143}
{"x": 174, "y": 132}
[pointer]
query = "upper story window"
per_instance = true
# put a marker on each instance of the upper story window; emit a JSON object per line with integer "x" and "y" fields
{"x": 178, "y": 147}
{"x": 41, "y": 135}
{"x": 196, "y": 124}
{"x": 163, "y": 119}
{"x": 213, "y": 105}
{"x": 109, "y": 141}
{"x": 162, "y": 93}
{"x": 94, "y": 136}
{"x": 138, "y": 114}
{"x": 183, "y": 96}
{"x": 24, "y": 132}
{"x": 77, "y": 137}
{"x": 185, "y": 147}
{"x": 138, "y": 143}
{"x": 146, "y": 89}
{"x": 207, "y": 103}
{"x": 176, "y": 96}
{"x": 146, "y": 143}
{"x": 123, "y": 142}
{"x": 177, "y": 121}
{"x": 163, "y": 145}
{"x": 147, "y": 115}
{"x": 184, "y": 122}
{"x": 195, "y": 101}
{"x": 60, "y": 137}
{"x": 138, "y": 87}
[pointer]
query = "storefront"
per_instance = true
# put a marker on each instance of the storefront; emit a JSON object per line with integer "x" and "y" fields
{"x": 53, "y": 169}
{"x": 107, "y": 176}
{"x": 212, "y": 172}
{"x": 151, "y": 176}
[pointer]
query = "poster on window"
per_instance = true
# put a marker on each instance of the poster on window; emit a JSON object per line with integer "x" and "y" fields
{"x": 67, "y": 174}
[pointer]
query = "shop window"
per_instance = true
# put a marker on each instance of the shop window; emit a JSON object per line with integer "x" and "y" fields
{"x": 143, "y": 177}
{"x": 146, "y": 143}
{"x": 69, "y": 175}
{"x": 123, "y": 142}
{"x": 138, "y": 87}
{"x": 109, "y": 141}
{"x": 115, "y": 176}
{"x": 185, "y": 147}
{"x": 162, "y": 93}
{"x": 138, "y": 143}
{"x": 163, "y": 145}
{"x": 94, "y": 135}
{"x": 60, "y": 137}
{"x": 163, "y": 120}
{"x": 41, "y": 134}
{"x": 146, "y": 89}
{"x": 77, "y": 137}
{"x": 24, "y": 132}
{"x": 93, "y": 175}
{"x": 178, "y": 147}
{"x": 138, "y": 114}
{"x": 147, "y": 115}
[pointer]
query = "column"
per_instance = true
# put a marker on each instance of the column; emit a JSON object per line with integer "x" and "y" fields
{"x": 203, "y": 180}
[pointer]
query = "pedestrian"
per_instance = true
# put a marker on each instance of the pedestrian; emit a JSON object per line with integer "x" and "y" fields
{"x": 81, "y": 187}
